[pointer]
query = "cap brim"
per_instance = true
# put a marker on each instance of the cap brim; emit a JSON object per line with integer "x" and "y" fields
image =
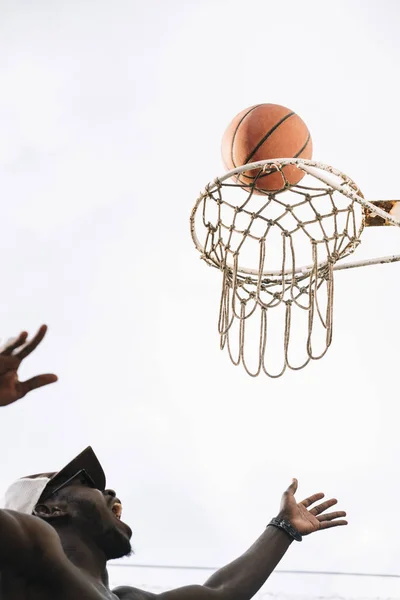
{"x": 86, "y": 460}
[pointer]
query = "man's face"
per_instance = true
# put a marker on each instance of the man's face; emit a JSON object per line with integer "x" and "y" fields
{"x": 96, "y": 515}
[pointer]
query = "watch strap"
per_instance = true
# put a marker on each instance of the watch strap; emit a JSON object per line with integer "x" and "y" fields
{"x": 287, "y": 527}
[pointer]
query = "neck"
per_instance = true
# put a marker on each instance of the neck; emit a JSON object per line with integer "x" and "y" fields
{"x": 84, "y": 554}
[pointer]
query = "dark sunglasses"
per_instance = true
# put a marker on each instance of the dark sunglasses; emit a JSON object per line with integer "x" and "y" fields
{"x": 84, "y": 477}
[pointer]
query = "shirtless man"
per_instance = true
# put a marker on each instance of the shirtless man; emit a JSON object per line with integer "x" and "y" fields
{"x": 65, "y": 526}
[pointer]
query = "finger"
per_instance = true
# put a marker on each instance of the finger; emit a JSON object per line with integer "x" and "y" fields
{"x": 311, "y": 499}
{"x": 36, "y": 382}
{"x": 329, "y": 524}
{"x": 14, "y": 344}
{"x": 330, "y": 516}
{"x": 35, "y": 341}
{"x": 317, "y": 510}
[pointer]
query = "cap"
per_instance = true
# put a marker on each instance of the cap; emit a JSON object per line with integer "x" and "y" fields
{"x": 24, "y": 494}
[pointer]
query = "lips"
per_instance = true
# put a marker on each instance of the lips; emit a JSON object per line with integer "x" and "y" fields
{"x": 117, "y": 510}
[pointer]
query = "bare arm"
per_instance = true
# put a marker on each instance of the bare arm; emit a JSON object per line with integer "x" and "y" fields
{"x": 239, "y": 580}
{"x": 242, "y": 578}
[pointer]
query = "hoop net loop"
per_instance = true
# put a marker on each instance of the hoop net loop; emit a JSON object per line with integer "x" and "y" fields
{"x": 261, "y": 240}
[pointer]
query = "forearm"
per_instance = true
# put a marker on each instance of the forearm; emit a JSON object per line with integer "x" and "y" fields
{"x": 243, "y": 577}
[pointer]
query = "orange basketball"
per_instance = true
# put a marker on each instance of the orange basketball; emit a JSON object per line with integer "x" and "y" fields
{"x": 262, "y": 132}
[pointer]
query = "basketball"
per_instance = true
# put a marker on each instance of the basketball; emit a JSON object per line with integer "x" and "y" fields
{"x": 264, "y": 132}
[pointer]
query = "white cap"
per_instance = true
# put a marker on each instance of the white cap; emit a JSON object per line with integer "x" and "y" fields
{"x": 24, "y": 494}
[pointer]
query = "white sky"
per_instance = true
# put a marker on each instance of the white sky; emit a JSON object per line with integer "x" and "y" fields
{"x": 111, "y": 116}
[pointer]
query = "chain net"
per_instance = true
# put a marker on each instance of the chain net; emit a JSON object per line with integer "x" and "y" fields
{"x": 276, "y": 251}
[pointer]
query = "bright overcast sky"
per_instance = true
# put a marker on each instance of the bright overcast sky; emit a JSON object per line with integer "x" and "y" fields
{"x": 111, "y": 116}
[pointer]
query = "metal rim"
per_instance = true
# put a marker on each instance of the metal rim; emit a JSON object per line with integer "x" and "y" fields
{"x": 308, "y": 166}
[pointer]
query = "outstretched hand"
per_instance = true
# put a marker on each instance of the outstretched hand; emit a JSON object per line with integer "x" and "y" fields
{"x": 11, "y": 389}
{"x": 307, "y": 520}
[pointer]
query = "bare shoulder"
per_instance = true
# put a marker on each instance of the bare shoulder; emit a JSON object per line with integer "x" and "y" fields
{"x": 26, "y": 538}
{"x": 33, "y": 527}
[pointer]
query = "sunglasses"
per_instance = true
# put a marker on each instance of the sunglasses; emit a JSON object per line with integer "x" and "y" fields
{"x": 84, "y": 477}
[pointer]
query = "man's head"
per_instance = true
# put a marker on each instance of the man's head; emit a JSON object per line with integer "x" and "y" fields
{"x": 92, "y": 514}
{"x": 74, "y": 500}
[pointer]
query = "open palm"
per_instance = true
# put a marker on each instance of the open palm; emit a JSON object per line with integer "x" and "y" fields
{"x": 11, "y": 389}
{"x": 307, "y": 520}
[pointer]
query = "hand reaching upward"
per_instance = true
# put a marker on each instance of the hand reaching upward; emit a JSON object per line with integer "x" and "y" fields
{"x": 11, "y": 389}
{"x": 307, "y": 520}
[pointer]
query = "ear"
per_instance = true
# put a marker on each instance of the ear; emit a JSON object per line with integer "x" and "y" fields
{"x": 49, "y": 512}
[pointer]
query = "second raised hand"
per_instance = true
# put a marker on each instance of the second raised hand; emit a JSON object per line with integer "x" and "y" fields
{"x": 11, "y": 389}
{"x": 307, "y": 520}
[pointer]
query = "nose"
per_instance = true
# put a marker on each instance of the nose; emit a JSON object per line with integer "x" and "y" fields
{"x": 110, "y": 493}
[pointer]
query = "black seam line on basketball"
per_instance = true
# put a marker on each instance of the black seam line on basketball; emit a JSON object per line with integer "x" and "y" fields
{"x": 236, "y": 130}
{"x": 251, "y": 177}
{"x": 267, "y": 135}
{"x": 303, "y": 148}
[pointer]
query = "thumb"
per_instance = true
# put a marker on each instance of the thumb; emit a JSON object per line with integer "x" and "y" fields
{"x": 36, "y": 382}
{"x": 288, "y": 496}
{"x": 292, "y": 489}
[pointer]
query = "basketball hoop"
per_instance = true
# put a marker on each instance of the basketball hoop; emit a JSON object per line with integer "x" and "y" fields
{"x": 281, "y": 249}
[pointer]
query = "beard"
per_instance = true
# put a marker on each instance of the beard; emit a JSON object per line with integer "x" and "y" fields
{"x": 115, "y": 543}
{"x": 99, "y": 525}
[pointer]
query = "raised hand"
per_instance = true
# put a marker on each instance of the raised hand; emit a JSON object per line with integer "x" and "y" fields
{"x": 307, "y": 520}
{"x": 11, "y": 389}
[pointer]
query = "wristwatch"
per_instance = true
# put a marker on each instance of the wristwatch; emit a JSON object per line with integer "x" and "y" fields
{"x": 287, "y": 527}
